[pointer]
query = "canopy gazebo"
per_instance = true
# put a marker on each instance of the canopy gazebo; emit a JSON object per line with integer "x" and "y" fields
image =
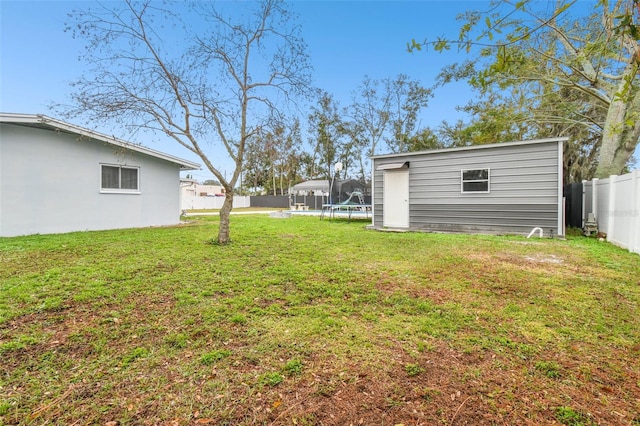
{"x": 312, "y": 193}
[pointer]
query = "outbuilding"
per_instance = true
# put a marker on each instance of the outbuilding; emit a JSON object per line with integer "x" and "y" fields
{"x": 502, "y": 188}
{"x": 57, "y": 177}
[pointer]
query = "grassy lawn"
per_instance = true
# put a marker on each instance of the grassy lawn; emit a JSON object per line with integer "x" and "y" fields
{"x": 307, "y": 322}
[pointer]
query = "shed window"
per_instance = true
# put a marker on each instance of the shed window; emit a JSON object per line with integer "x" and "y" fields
{"x": 475, "y": 180}
{"x": 119, "y": 179}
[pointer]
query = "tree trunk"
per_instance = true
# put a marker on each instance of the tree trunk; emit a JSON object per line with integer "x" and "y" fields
{"x": 225, "y": 211}
{"x": 619, "y": 141}
{"x": 273, "y": 180}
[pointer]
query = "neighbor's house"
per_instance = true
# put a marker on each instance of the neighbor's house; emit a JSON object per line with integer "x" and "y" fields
{"x": 57, "y": 177}
{"x": 508, "y": 188}
{"x": 191, "y": 188}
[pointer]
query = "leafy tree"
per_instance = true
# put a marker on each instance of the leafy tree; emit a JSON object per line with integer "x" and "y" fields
{"x": 425, "y": 139}
{"x": 370, "y": 115}
{"x": 562, "y": 71}
{"x": 256, "y": 165}
{"x": 408, "y": 98}
{"x": 291, "y": 157}
{"x": 210, "y": 88}
{"x": 328, "y": 132}
{"x": 307, "y": 167}
{"x": 280, "y": 151}
{"x": 506, "y": 116}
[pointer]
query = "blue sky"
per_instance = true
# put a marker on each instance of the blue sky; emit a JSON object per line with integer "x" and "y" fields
{"x": 347, "y": 40}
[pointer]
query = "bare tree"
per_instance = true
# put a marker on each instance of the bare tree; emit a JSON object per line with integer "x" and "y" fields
{"x": 386, "y": 110}
{"x": 210, "y": 84}
{"x": 371, "y": 112}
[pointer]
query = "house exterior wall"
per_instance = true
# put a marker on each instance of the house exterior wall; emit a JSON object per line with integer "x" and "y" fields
{"x": 50, "y": 183}
{"x": 525, "y": 190}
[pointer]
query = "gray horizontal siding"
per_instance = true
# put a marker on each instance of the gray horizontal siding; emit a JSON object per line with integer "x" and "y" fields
{"x": 523, "y": 189}
{"x": 378, "y": 183}
{"x": 522, "y": 174}
{"x": 512, "y": 218}
{"x": 377, "y": 214}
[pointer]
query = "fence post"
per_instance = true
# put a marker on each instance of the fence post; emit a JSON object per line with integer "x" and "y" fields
{"x": 594, "y": 198}
{"x": 634, "y": 244}
{"x": 611, "y": 220}
{"x": 584, "y": 202}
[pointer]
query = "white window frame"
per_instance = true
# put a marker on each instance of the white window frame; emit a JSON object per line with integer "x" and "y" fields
{"x": 487, "y": 180}
{"x": 120, "y": 190}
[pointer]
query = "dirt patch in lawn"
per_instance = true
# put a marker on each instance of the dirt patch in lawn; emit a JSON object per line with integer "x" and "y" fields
{"x": 440, "y": 385}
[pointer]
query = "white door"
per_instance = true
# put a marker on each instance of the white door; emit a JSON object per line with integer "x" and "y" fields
{"x": 395, "y": 195}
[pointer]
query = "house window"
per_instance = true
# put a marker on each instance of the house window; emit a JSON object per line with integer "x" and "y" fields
{"x": 476, "y": 180}
{"x": 119, "y": 179}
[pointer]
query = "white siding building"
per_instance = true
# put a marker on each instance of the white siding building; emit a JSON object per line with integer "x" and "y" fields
{"x": 56, "y": 177}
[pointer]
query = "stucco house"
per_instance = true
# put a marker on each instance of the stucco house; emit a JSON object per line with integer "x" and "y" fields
{"x": 57, "y": 177}
{"x": 503, "y": 188}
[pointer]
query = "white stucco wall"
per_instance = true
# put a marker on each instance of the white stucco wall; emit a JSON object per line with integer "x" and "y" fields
{"x": 50, "y": 183}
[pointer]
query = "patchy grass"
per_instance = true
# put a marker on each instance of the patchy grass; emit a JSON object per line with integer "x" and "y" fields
{"x": 303, "y": 321}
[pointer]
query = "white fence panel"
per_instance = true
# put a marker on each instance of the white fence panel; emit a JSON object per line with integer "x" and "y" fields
{"x": 601, "y": 208}
{"x": 208, "y": 203}
{"x": 615, "y": 202}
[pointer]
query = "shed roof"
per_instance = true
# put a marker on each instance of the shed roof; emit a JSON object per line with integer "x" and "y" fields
{"x": 43, "y": 122}
{"x": 473, "y": 147}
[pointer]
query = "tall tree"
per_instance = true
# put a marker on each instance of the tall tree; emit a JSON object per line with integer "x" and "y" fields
{"x": 256, "y": 165}
{"x": 370, "y": 114}
{"x": 279, "y": 147}
{"x": 384, "y": 110}
{"x": 327, "y": 133}
{"x": 291, "y": 157}
{"x": 206, "y": 80}
{"x": 570, "y": 56}
{"x": 425, "y": 139}
{"x": 408, "y": 98}
{"x": 516, "y": 111}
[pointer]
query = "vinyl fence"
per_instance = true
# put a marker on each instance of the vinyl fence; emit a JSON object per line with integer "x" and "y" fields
{"x": 199, "y": 203}
{"x": 615, "y": 203}
{"x": 267, "y": 201}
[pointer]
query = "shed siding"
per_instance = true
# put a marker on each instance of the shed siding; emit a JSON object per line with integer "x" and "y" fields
{"x": 50, "y": 183}
{"x": 523, "y": 189}
{"x": 484, "y": 218}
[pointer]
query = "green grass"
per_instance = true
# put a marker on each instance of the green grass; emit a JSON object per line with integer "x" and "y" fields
{"x": 310, "y": 321}
{"x": 570, "y": 417}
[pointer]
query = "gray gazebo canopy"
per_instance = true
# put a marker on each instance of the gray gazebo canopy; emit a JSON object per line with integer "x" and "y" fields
{"x": 320, "y": 186}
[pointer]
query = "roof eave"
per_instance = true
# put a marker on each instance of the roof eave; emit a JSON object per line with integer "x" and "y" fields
{"x": 61, "y": 125}
{"x": 472, "y": 147}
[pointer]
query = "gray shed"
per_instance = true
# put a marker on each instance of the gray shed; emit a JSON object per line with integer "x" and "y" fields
{"x": 504, "y": 188}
